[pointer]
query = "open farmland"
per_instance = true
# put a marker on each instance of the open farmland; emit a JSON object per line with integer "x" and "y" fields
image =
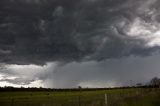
{"x": 114, "y": 97}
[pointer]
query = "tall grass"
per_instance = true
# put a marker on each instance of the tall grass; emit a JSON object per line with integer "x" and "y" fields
{"x": 116, "y": 97}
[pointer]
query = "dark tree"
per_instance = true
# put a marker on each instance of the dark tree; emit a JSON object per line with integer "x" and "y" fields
{"x": 155, "y": 81}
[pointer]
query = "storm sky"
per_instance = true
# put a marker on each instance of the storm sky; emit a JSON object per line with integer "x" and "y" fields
{"x": 70, "y": 43}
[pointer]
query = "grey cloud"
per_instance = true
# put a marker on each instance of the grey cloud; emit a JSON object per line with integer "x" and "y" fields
{"x": 111, "y": 72}
{"x": 16, "y": 78}
{"x": 93, "y": 41}
{"x": 105, "y": 73}
{"x": 40, "y": 31}
{"x": 26, "y": 74}
{"x": 18, "y": 81}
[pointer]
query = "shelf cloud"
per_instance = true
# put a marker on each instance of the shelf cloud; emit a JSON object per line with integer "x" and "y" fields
{"x": 41, "y": 31}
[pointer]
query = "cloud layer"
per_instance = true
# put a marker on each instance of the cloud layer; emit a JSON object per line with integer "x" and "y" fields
{"x": 57, "y": 41}
{"x": 41, "y": 31}
{"x": 108, "y": 73}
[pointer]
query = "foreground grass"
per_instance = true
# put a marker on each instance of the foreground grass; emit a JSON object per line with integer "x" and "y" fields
{"x": 115, "y": 97}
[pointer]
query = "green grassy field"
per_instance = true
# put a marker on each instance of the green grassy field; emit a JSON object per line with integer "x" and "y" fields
{"x": 115, "y": 97}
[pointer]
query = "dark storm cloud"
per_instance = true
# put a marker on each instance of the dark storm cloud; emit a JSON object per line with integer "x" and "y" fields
{"x": 39, "y": 31}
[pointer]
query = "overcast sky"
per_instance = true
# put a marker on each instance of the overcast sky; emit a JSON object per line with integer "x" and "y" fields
{"x": 70, "y": 43}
